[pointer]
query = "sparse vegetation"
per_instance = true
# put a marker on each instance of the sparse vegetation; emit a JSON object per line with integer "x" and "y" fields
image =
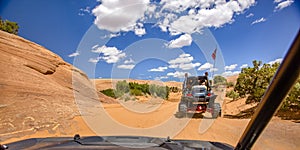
{"x": 159, "y": 91}
{"x": 232, "y": 94}
{"x": 219, "y": 80}
{"x": 9, "y": 26}
{"x": 292, "y": 101}
{"x": 138, "y": 89}
{"x": 253, "y": 81}
{"x": 122, "y": 87}
{"x": 230, "y": 84}
{"x": 135, "y": 89}
{"x": 174, "y": 89}
{"x": 109, "y": 92}
{"x": 136, "y": 92}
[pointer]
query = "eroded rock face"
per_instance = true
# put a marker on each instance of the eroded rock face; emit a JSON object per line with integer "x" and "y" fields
{"x": 36, "y": 88}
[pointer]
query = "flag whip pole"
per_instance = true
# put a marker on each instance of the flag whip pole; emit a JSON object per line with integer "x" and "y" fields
{"x": 214, "y": 55}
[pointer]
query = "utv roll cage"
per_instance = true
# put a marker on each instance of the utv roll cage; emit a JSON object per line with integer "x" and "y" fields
{"x": 195, "y": 80}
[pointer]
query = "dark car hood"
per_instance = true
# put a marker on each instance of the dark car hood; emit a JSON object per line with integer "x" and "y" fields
{"x": 114, "y": 142}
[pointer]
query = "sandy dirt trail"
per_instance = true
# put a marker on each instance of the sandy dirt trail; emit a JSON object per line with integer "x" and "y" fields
{"x": 280, "y": 134}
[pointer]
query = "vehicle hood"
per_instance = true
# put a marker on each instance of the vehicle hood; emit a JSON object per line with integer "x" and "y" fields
{"x": 114, "y": 142}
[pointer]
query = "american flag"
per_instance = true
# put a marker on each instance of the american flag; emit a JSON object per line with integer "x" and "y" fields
{"x": 214, "y": 54}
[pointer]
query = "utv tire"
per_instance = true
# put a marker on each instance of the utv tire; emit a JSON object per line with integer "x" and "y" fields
{"x": 181, "y": 110}
{"x": 180, "y": 114}
{"x": 216, "y": 112}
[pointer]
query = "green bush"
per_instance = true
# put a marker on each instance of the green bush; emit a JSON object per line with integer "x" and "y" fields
{"x": 109, "y": 92}
{"x": 174, "y": 89}
{"x": 159, "y": 91}
{"x": 219, "y": 80}
{"x": 135, "y": 89}
{"x": 126, "y": 98}
{"x": 9, "y": 26}
{"x": 232, "y": 94}
{"x": 253, "y": 82}
{"x": 292, "y": 101}
{"x": 230, "y": 84}
{"x": 136, "y": 92}
{"x": 143, "y": 88}
{"x": 122, "y": 87}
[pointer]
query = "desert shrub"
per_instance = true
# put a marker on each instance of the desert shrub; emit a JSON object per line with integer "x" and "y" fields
{"x": 136, "y": 92}
{"x": 126, "y": 98}
{"x": 174, "y": 89}
{"x": 143, "y": 88}
{"x": 159, "y": 91}
{"x": 292, "y": 101}
{"x": 109, "y": 92}
{"x": 230, "y": 84}
{"x": 122, "y": 87}
{"x": 219, "y": 80}
{"x": 9, "y": 26}
{"x": 232, "y": 94}
{"x": 253, "y": 82}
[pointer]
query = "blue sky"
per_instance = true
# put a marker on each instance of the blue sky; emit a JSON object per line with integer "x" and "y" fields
{"x": 158, "y": 39}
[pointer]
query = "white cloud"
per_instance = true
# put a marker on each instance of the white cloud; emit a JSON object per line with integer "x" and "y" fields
{"x": 161, "y": 77}
{"x": 183, "y": 40}
{"x": 282, "y": 5}
{"x": 159, "y": 69}
{"x": 163, "y": 28}
{"x": 213, "y": 69}
{"x": 279, "y": 60}
{"x": 277, "y": 1}
{"x": 184, "y": 62}
{"x": 250, "y": 15}
{"x": 183, "y": 58}
{"x": 231, "y": 67}
{"x": 111, "y": 35}
{"x": 119, "y": 15}
{"x": 110, "y": 54}
{"x": 230, "y": 73}
{"x": 177, "y": 74}
{"x": 172, "y": 16}
{"x": 189, "y": 66}
{"x": 205, "y": 66}
{"x": 258, "y": 21}
{"x": 244, "y": 66}
{"x": 139, "y": 31}
{"x": 131, "y": 66}
{"x": 211, "y": 14}
{"x": 95, "y": 46}
{"x": 151, "y": 10}
{"x": 74, "y": 54}
{"x": 129, "y": 61}
{"x": 83, "y": 11}
{"x": 94, "y": 60}
{"x": 86, "y": 9}
{"x": 174, "y": 32}
{"x": 177, "y": 6}
{"x": 128, "y": 64}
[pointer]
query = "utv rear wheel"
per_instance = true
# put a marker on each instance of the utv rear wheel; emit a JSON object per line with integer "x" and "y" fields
{"x": 180, "y": 114}
{"x": 182, "y": 108}
{"x": 214, "y": 114}
{"x": 216, "y": 110}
